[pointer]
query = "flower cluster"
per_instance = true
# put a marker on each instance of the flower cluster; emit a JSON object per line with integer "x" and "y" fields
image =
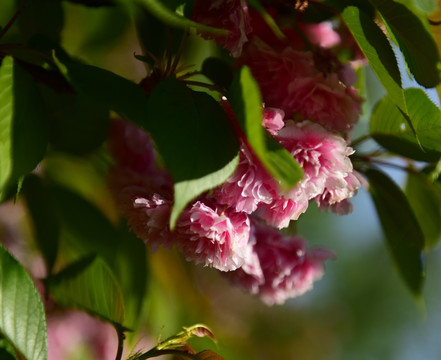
{"x": 310, "y": 108}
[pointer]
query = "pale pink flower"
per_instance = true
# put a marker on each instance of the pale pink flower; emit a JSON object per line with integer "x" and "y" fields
{"x": 281, "y": 211}
{"x": 321, "y": 34}
{"x": 288, "y": 268}
{"x": 324, "y": 158}
{"x": 249, "y": 186}
{"x": 208, "y": 234}
{"x": 293, "y": 81}
{"x": 273, "y": 120}
{"x": 231, "y": 15}
{"x": 336, "y": 199}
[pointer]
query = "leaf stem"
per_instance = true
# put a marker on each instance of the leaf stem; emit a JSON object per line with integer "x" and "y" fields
{"x": 155, "y": 353}
{"x": 121, "y": 337}
{"x": 12, "y": 20}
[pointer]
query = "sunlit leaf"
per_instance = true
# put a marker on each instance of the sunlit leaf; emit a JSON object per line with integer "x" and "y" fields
{"x": 44, "y": 218}
{"x": 23, "y": 124}
{"x": 375, "y": 46}
{"x": 246, "y": 101}
{"x": 390, "y": 128}
{"x": 404, "y": 236}
{"x": 425, "y": 199}
{"x": 194, "y": 137}
{"x": 22, "y": 319}
{"x": 90, "y": 285}
{"x": 414, "y": 40}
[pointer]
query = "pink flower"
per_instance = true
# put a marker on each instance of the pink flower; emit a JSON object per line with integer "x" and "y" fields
{"x": 249, "y": 186}
{"x": 287, "y": 268}
{"x": 231, "y": 15}
{"x": 293, "y": 81}
{"x": 211, "y": 235}
{"x": 143, "y": 192}
{"x": 324, "y": 158}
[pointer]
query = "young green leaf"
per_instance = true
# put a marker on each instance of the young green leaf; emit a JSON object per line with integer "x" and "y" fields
{"x": 194, "y": 137}
{"x": 414, "y": 40}
{"x": 89, "y": 284}
{"x": 404, "y": 236}
{"x": 425, "y": 199}
{"x": 390, "y": 128}
{"x": 23, "y": 124}
{"x": 22, "y": 319}
{"x": 246, "y": 101}
{"x": 44, "y": 218}
{"x": 378, "y": 51}
{"x": 108, "y": 89}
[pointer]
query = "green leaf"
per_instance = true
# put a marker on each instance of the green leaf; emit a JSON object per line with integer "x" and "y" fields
{"x": 404, "y": 236}
{"x": 22, "y": 320}
{"x": 44, "y": 218}
{"x": 90, "y": 285}
{"x": 87, "y": 230}
{"x": 85, "y": 226}
{"x": 23, "y": 124}
{"x": 390, "y": 128}
{"x": 78, "y": 124}
{"x": 425, "y": 199}
{"x": 246, "y": 101}
{"x": 378, "y": 51}
{"x": 217, "y": 71}
{"x": 172, "y": 18}
{"x": 42, "y": 17}
{"x": 132, "y": 273}
{"x": 108, "y": 89}
{"x": 414, "y": 40}
{"x": 195, "y": 138}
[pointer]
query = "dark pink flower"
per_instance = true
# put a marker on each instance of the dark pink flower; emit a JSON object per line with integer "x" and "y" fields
{"x": 287, "y": 268}
{"x": 143, "y": 192}
{"x": 231, "y": 15}
{"x": 293, "y": 81}
{"x": 212, "y": 235}
{"x": 131, "y": 147}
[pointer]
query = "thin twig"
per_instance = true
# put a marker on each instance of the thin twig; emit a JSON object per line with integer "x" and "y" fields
{"x": 13, "y": 18}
